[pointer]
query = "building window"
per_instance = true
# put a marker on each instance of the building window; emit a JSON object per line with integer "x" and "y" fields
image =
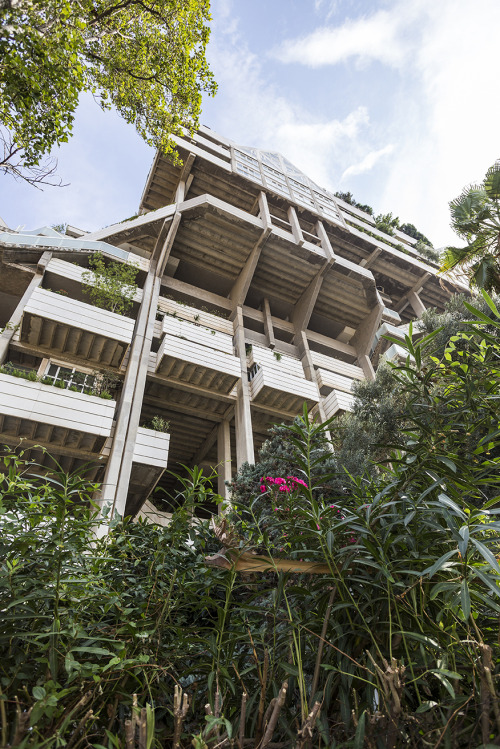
{"x": 72, "y": 378}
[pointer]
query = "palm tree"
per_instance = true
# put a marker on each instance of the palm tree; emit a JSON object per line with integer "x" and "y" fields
{"x": 475, "y": 217}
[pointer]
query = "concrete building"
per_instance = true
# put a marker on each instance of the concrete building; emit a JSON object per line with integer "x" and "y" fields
{"x": 257, "y": 291}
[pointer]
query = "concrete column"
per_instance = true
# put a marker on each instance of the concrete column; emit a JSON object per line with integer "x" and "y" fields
{"x": 309, "y": 370}
{"x": 268, "y": 324}
{"x": 242, "y": 410}
{"x": 224, "y": 472}
{"x": 16, "y": 317}
{"x": 116, "y": 480}
{"x": 416, "y": 303}
{"x": 363, "y": 338}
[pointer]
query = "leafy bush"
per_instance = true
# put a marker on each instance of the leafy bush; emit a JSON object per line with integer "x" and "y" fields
{"x": 396, "y": 641}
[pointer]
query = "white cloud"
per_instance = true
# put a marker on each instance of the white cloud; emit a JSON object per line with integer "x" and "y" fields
{"x": 368, "y": 162}
{"x": 376, "y": 37}
{"x": 251, "y": 111}
{"x": 453, "y": 137}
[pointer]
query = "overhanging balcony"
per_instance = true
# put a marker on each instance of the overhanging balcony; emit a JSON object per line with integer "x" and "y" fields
{"x": 194, "y": 355}
{"x": 64, "y": 326}
{"x": 337, "y": 403}
{"x": 53, "y": 417}
{"x": 277, "y": 382}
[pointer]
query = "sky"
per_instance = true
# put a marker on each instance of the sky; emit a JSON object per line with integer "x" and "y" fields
{"x": 395, "y": 101}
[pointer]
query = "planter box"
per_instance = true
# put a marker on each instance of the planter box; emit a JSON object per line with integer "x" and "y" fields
{"x": 53, "y": 416}
{"x": 337, "y": 403}
{"x": 189, "y": 362}
{"x": 61, "y": 325}
{"x": 151, "y": 447}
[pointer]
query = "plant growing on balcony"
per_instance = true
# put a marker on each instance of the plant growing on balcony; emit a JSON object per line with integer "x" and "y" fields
{"x": 111, "y": 286}
{"x": 158, "y": 423}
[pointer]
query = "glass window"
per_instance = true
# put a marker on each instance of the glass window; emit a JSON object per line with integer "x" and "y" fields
{"x": 71, "y": 378}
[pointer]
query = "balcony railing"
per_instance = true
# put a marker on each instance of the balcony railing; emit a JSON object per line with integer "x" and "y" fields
{"x": 278, "y": 382}
{"x": 194, "y": 355}
{"x": 61, "y": 325}
{"x": 52, "y": 416}
{"x": 337, "y": 403}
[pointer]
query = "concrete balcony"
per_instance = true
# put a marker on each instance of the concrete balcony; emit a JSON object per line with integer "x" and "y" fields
{"x": 63, "y": 326}
{"x": 194, "y": 355}
{"x": 53, "y": 417}
{"x": 277, "y": 382}
{"x": 337, "y": 403}
{"x": 335, "y": 374}
{"x": 151, "y": 448}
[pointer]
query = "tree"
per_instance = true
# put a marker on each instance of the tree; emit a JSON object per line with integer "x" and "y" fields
{"x": 110, "y": 286}
{"x": 145, "y": 58}
{"x": 475, "y": 217}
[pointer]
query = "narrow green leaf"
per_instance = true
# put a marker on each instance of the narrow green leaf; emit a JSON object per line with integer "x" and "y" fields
{"x": 465, "y": 598}
{"x": 486, "y": 554}
{"x": 359, "y": 738}
{"x": 439, "y": 563}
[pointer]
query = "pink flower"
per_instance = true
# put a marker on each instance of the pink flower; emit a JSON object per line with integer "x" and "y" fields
{"x": 317, "y": 526}
{"x": 262, "y": 488}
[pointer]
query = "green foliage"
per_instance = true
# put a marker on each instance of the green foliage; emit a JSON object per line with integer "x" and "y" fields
{"x": 475, "y": 217}
{"x": 387, "y": 223}
{"x": 398, "y": 639}
{"x": 412, "y": 231}
{"x": 348, "y": 197}
{"x": 158, "y": 423}
{"x": 110, "y": 285}
{"x": 147, "y": 60}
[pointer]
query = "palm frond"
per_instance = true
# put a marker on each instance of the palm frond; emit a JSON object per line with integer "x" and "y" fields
{"x": 492, "y": 181}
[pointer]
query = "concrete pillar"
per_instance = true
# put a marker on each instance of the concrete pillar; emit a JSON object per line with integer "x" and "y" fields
{"x": 224, "y": 472}
{"x": 416, "y": 303}
{"x": 242, "y": 410}
{"x": 117, "y": 477}
{"x": 16, "y": 317}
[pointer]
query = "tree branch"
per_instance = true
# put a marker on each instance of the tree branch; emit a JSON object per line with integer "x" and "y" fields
{"x": 12, "y": 163}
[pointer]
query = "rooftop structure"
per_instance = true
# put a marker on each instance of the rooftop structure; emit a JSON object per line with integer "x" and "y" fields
{"x": 257, "y": 291}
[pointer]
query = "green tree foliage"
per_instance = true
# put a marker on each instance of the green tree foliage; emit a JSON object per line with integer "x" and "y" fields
{"x": 475, "y": 217}
{"x": 145, "y": 58}
{"x": 397, "y": 640}
{"x": 110, "y": 285}
{"x": 412, "y": 231}
{"x": 387, "y": 223}
{"x": 348, "y": 197}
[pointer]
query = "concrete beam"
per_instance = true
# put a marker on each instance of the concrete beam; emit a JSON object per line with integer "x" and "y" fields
{"x": 242, "y": 284}
{"x": 181, "y": 191}
{"x": 16, "y": 317}
{"x": 411, "y": 297}
{"x": 325, "y": 241}
{"x": 363, "y": 338}
{"x": 268, "y": 324}
{"x": 304, "y": 307}
{"x": 416, "y": 303}
{"x": 294, "y": 223}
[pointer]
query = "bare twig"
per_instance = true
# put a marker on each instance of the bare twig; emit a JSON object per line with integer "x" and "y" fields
{"x": 274, "y": 717}
{"x": 243, "y": 713}
{"x": 305, "y": 734}
{"x": 12, "y": 161}
{"x": 181, "y": 706}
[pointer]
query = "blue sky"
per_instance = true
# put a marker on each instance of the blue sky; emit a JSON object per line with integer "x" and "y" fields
{"x": 394, "y": 100}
